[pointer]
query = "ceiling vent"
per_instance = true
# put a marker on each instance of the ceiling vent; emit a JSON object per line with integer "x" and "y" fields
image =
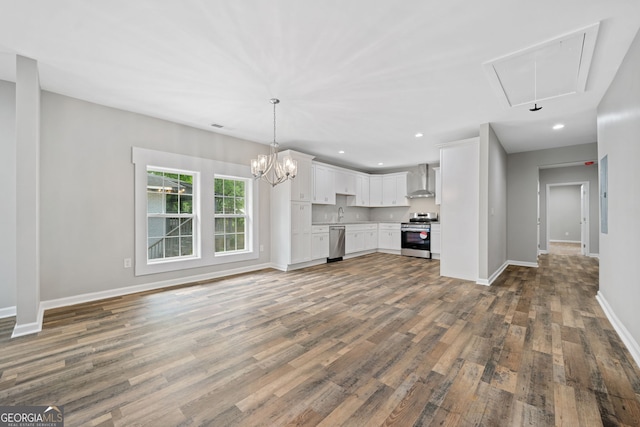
{"x": 215, "y": 125}
{"x": 545, "y": 71}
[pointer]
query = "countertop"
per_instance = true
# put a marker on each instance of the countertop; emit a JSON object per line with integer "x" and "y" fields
{"x": 356, "y": 222}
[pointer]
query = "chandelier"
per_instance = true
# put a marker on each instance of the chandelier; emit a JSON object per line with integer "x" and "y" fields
{"x": 268, "y": 167}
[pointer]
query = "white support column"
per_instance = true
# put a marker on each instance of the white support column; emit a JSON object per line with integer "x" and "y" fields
{"x": 28, "y": 315}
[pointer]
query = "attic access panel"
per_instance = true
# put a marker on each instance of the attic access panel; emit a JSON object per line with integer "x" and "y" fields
{"x": 547, "y": 70}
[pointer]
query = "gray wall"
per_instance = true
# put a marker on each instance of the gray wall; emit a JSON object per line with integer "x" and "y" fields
{"x": 522, "y": 197}
{"x": 564, "y": 213}
{"x": 8, "y": 180}
{"x": 619, "y": 140}
{"x": 572, "y": 174}
{"x": 493, "y": 204}
{"x": 87, "y": 192}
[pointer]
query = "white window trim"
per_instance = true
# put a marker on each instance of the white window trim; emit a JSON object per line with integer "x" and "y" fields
{"x": 206, "y": 170}
{"x": 249, "y": 218}
{"x": 195, "y": 224}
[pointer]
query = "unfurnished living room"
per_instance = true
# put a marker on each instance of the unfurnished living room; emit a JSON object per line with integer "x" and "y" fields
{"x": 297, "y": 213}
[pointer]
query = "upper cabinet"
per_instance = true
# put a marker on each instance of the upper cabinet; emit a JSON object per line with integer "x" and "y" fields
{"x": 362, "y": 191}
{"x": 301, "y": 189}
{"x": 375, "y": 190}
{"x": 388, "y": 190}
{"x": 323, "y": 185}
{"x": 345, "y": 182}
{"x": 394, "y": 189}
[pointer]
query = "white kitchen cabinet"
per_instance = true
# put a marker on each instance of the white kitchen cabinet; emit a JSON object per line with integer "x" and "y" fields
{"x": 435, "y": 239}
{"x": 361, "y": 237}
{"x": 438, "y": 185}
{"x": 362, "y": 192}
{"x": 354, "y": 240}
{"x": 300, "y": 232}
{"x": 320, "y": 242}
{"x": 291, "y": 217}
{"x": 401, "y": 189}
{"x": 389, "y": 236}
{"x": 345, "y": 182}
{"x": 323, "y": 185}
{"x": 388, "y": 190}
{"x": 394, "y": 189}
{"x": 375, "y": 190}
{"x": 301, "y": 189}
{"x": 371, "y": 238}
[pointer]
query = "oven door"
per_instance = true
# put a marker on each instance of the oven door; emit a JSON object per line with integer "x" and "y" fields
{"x": 416, "y": 242}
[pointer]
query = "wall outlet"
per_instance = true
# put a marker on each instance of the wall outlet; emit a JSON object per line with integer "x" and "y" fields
{"x": 325, "y": 215}
{"x": 261, "y": 248}
{"x": 127, "y": 263}
{"x": 390, "y": 216}
{"x": 357, "y": 216}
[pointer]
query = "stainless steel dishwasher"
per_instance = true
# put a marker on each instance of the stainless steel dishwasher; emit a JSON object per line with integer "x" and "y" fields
{"x": 336, "y": 243}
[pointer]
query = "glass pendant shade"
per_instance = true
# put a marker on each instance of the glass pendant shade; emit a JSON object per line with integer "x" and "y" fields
{"x": 268, "y": 167}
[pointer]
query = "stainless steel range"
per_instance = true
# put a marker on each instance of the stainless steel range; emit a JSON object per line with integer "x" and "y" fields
{"x": 416, "y": 234}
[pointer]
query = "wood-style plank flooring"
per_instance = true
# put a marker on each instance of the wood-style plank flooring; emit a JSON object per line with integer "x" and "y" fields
{"x": 565, "y": 248}
{"x": 377, "y": 340}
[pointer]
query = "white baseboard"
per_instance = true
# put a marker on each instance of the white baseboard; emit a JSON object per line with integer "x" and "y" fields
{"x": 565, "y": 241}
{"x": 389, "y": 251}
{"x": 36, "y": 327}
{"x": 624, "y": 334}
{"x": 291, "y": 267}
{"x": 7, "y": 312}
{"x": 542, "y": 251}
{"x": 29, "y": 328}
{"x": 522, "y": 263}
{"x": 594, "y": 256}
{"x": 494, "y": 276}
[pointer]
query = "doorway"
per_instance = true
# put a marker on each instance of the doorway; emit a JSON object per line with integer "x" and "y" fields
{"x": 567, "y": 214}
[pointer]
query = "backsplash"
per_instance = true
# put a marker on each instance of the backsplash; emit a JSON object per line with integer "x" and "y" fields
{"x": 401, "y": 214}
{"x": 329, "y": 213}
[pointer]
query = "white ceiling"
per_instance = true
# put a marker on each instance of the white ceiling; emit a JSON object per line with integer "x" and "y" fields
{"x": 361, "y": 76}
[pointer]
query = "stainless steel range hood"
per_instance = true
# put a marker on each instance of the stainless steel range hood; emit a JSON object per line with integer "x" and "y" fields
{"x": 419, "y": 183}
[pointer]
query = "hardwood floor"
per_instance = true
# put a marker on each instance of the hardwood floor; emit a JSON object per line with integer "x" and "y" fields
{"x": 377, "y": 340}
{"x": 565, "y": 248}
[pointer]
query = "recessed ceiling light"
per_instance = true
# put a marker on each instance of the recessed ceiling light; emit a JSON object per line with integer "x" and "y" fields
{"x": 558, "y": 126}
{"x": 380, "y": 164}
{"x": 341, "y": 152}
{"x": 419, "y": 135}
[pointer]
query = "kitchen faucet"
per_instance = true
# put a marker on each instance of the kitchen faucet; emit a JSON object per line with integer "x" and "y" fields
{"x": 340, "y": 213}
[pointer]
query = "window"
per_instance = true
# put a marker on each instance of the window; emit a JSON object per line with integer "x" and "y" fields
{"x": 230, "y": 214}
{"x": 192, "y": 212}
{"x": 170, "y": 214}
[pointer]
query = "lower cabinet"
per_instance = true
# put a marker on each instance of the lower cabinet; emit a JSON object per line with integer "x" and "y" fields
{"x": 435, "y": 238}
{"x": 319, "y": 242}
{"x": 354, "y": 241}
{"x": 389, "y": 236}
{"x": 361, "y": 237}
{"x": 300, "y": 232}
{"x": 371, "y": 239}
